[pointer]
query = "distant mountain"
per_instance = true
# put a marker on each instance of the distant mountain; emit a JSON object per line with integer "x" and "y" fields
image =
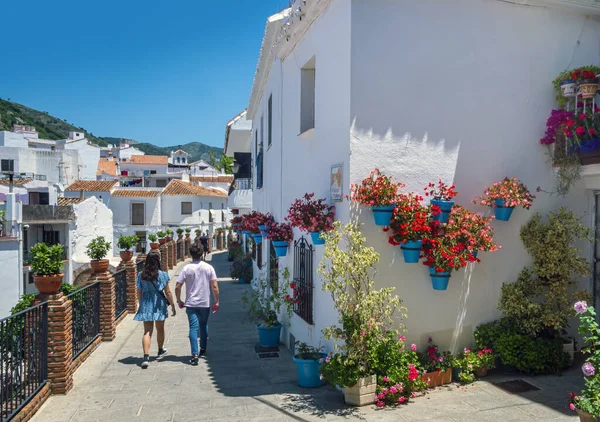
{"x": 50, "y": 127}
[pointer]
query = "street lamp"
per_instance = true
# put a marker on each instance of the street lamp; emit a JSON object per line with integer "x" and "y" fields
{"x": 235, "y": 167}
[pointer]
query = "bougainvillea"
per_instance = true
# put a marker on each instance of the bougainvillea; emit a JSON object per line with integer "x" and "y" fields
{"x": 376, "y": 190}
{"x": 311, "y": 215}
{"x": 510, "y": 190}
{"x": 410, "y": 221}
{"x": 441, "y": 192}
{"x": 280, "y": 231}
{"x": 555, "y": 125}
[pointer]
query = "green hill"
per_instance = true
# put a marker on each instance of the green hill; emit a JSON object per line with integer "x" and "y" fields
{"x": 197, "y": 151}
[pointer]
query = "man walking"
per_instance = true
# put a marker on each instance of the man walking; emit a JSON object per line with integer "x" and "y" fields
{"x": 199, "y": 278}
{"x": 204, "y": 243}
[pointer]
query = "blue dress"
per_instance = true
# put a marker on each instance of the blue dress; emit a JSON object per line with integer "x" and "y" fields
{"x": 153, "y": 306}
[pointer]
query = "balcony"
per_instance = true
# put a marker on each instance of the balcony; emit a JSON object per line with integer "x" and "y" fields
{"x": 47, "y": 213}
{"x": 9, "y": 229}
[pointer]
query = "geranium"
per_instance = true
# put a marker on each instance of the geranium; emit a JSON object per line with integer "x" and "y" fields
{"x": 410, "y": 221}
{"x": 311, "y": 215}
{"x": 580, "y": 307}
{"x": 236, "y": 221}
{"x": 470, "y": 360}
{"x": 510, "y": 190}
{"x": 250, "y": 222}
{"x": 581, "y": 74}
{"x": 472, "y": 229}
{"x": 441, "y": 192}
{"x": 280, "y": 231}
{"x": 433, "y": 360}
{"x": 377, "y": 190}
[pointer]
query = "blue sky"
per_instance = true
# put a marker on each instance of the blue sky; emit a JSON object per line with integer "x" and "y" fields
{"x": 161, "y": 72}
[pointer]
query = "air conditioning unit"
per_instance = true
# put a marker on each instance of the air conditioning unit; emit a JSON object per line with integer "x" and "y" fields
{"x": 7, "y": 166}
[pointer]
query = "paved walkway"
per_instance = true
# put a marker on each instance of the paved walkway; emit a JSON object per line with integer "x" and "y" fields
{"x": 231, "y": 384}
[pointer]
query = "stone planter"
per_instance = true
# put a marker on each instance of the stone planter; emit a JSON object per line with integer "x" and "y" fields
{"x": 48, "y": 284}
{"x": 437, "y": 378}
{"x": 588, "y": 88}
{"x": 99, "y": 266}
{"x": 362, "y": 393}
{"x": 126, "y": 255}
{"x": 586, "y": 417}
{"x": 154, "y": 246}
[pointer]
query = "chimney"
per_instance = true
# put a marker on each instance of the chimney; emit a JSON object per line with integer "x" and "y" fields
{"x": 81, "y": 194}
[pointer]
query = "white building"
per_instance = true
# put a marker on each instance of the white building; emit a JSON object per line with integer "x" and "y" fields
{"x": 146, "y": 170}
{"x": 238, "y": 142}
{"x": 89, "y": 188}
{"x": 407, "y": 87}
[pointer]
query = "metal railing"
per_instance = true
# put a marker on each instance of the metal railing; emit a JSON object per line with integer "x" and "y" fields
{"x": 8, "y": 228}
{"x": 120, "y": 292}
{"x": 23, "y": 358}
{"x": 303, "y": 293}
{"x": 241, "y": 184}
{"x": 86, "y": 317}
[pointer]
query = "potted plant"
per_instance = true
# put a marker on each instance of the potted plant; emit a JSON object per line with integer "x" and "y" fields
{"x": 504, "y": 196}
{"x": 187, "y": 232}
{"x": 308, "y": 361}
{"x": 471, "y": 364}
{"x": 587, "y": 82}
{"x": 236, "y": 222}
{"x": 265, "y": 224}
{"x": 265, "y": 303}
{"x": 587, "y": 404}
{"x": 280, "y": 234}
{"x": 241, "y": 269}
{"x": 180, "y": 233}
{"x": 251, "y": 225}
{"x": 153, "y": 238}
{"x": 169, "y": 236}
{"x": 97, "y": 250}
{"x": 409, "y": 226}
{"x": 313, "y": 216}
{"x": 474, "y": 231}
{"x": 441, "y": 200}
{"x": 379, "y": 192}
{"x": 46, "y": 265}
{"x": 437, "y": 367}
{"x": 161, "y": 237}
{"x": 126, "y": 243}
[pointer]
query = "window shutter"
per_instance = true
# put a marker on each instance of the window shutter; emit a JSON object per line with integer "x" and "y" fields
{"x": 137, "y": 214}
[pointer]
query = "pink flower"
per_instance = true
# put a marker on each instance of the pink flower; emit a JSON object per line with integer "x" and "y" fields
{"x": 381, "y": 396}
{"x": 402, "y": 399}
{"x": 571, "y": 406}
{"x": 467, "y": 350}
{"x": 327, "y": 359}
{"x": 393, "y": 390}
{"x": 580, "y": 307}
{"x": 413, "y": 347}
{"x": 385, "y": 379}
{"x": 363, "y": 333}
{"x": 402, "y": 338}
{"x": 380, "y": 404}
{"x": 414, "y": 395}
{"x": 580, "y": 130}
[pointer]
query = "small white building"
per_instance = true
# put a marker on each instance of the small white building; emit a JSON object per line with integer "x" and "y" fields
{"x": 238, "y": 143}
{"x": 145, "y": 171}
{"x": 88, "y": 188}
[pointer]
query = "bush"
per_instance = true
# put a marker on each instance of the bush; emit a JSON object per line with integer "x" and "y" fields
{"x": 169, "y": 232}
{"x": 98, "y": 248}
{"x": 127, "y": 242}
{"x": 265, "y": 302}
{"x": 152, "y": 237}
{"x": 242, "y": 268}
{"x": 46, "y": 260}
{"x": 27, "y": 299}
{"x": 161, "y": 234}
{"x": 179, "y": 231}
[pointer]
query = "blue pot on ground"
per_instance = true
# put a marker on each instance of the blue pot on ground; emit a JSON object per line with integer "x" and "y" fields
{"x": 257, "y": 238}
{"x": 316, "y": 238}
{"x": 383, "y": 215}
{"x": 445, "y": 206}
{"x": 439, "y": 280}
{"x": 503, "y": 213}
{"x": 269, "y": 336}
{"x": 241, "y": 281}
{"x": 263, "y": 229}
{"x": 309, "y": 375}
{"x": 281, "y": 247}
{"x": 411, "y": 251}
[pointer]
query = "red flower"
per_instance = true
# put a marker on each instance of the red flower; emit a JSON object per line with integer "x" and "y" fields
{"x": 580, "y": 130}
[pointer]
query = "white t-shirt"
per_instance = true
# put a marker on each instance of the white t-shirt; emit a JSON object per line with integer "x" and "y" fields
{"x": 197, "y": 277}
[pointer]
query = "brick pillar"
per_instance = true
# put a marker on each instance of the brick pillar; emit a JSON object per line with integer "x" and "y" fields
{"x": 131, "y": 274}
{"x": 179, "y": 247}
{"x": 188, "y": 241}
{"x": 174, "y": 253}
{"x": 140, "y": 257}
{"x": 107, "y": 305}
{"x": 163, "y": 257}
{"x": 60, "y": 342}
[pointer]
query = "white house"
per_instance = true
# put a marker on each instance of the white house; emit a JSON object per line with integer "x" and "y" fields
{"x": 146, "y": 170}
{"x": 188, "y": 204}
{"x": 426, "y": 90}
{"x": 90, "y": 188}
{"x": 238, "y": 143}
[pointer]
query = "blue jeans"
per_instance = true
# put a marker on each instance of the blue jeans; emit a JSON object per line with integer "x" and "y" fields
{"x": 198, "y": 318}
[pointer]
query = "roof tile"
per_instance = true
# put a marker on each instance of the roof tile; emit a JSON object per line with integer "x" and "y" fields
{"x": 136, "y": 193}
{"x": 16, "y": 182}
{"x": 224, "y": 178}
{"x": 107, "y": 166}
{"x": 69, "y": 201}
{"x": 177, "y": 187}
{"x": 149, "y": 159}
{"x": 91, "y": 186}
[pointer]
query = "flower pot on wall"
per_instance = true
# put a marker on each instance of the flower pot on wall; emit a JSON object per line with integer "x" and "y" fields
{"x": 257, "y": 238}
{"x": 411, "y": 251}
{"x": 246, "y": 232}
{"x": 126, "y": 255}
{"x": 445, "y": 207}
{"x": 309, "y": 375}
{"x": 362, "y": 393}
{"x": 99, "y": 266}
{"x": 154, "y": 245}
{"x": 588, "y": 88}
{"x": 263, "y": 229}
{"x": 316, "y": 238}
{"x": 162, "y": 241}
{"x": 503, "y": 212}
{"x": 281, "y": 247}
{"x": 568, "y": 88}
{"x": 439, "y": 281}
{"x": 48, "y": 284}
{"x": 269, "y": 336}
{"x": 383, "y": 215}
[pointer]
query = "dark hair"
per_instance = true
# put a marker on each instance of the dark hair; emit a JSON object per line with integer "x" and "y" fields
{"x": 151, "y": 266}
{"x": 196, "y": 250}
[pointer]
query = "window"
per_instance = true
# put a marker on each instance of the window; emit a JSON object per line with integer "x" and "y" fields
{"x": 186, "y": 208}
{"x": 270, "y": 120}
{"x": 51, "y": 238}
{"x": 44, "y": 198}
{"x": 178, "y": 159}
{"x": 259, "y": 156}
{"x": 307, "y": 96}
{"x": 138, "y": 214}
{"x": 39, "y": 198}
{"x": 222, "y": 206}
{"x": 183, "y": 160}
{"x": 152, "y": 171}
{"x": 303, "y": 277}
{"x": 161, "y": 183}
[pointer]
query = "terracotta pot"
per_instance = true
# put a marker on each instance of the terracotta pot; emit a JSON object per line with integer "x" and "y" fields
{"x": 154, "y": 245}
{"x": 169, "y": 238}
{"x": 437, "y": 378}
{"x": 481, "y": 371}
{"x": 162, "y": 241}
{"x": 99, "y": 266}
{"x": 48, "y": 284}
{"x": 362, "y": 393}
{"x": 179, "y": 236}
{"x": 126, "y": 255}
{"x": 586, "y": 417}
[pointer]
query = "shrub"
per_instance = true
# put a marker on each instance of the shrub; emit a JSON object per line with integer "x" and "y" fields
{"x": 46, "y": 260}
{"x": 152, "y": 237}
{"x": 127, "y": 242}
{"x": 468, "y": 361}
{"x": 188, "y": 230}
{"x": 98, "y": 248}
{"x": 265, "y": 302}
{"x": 307, "y": 352}
{"x": 180, "y": 231}
{"x": 169, "y": 232}
{"x": 242, "y": 267}
{"x": 161, "y": 234}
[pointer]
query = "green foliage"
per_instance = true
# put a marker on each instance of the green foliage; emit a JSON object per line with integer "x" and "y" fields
{"x": 188, "y": 230}
{"x": 589, "y": 400}
{"x": 161, "y": 234}
{"x": 46, "y": 260}
{"x": 197, "y": 150}
{"x": 127, "y": 242}
{"x": 180, "y": 231}
{"x": 265, "y": 302}
{"x": 169, "y": 232}
{"x": 341, "y": 370}
{"x": 152, "y": 237}
{"x": 469, "y": 360}
{"x": 27, "y": 299}
{"x": 242, "y": 268}
{"x": 98, "y": 248}
{"x": 307, "y": 352}
{"x": 2, "y": 216}
{"x": 540, "y": 300}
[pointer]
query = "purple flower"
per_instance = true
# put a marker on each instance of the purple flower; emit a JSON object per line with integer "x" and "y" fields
{"x": 580, "y": 307}
{"x": 588, "y": 369}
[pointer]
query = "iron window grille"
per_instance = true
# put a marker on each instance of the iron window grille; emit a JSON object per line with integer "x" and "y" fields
{"x": 303, "y": 278}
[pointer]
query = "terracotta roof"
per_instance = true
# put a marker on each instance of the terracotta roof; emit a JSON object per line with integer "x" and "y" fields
{"x": 91, "y": 186}
{"x": 107, "y": 166}
{"x": 136, "y": 193}
{"x": 180, "y": 151}
{"x": 69, "y": 201}
{"x": 224, "y": 178}
{"x": 177, "y": 187}
{"x": 148, "y": 159}
{"x": 16, "y": 182}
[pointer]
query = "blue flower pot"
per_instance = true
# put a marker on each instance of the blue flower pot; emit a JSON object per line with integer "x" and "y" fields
{"x": 257, "y": 238}
{"x": 316, "y": 238}
{"x": 309, "y": 375}
{"x": 445, "y": 206}
{"x": 281, "y": 247}
{"x": 503, "y": 213}
{"x": 439, "y": 280}
{"x": 269, "y": 336}
{"x": 383, "y": 215}
{"x": 241, "y": 281}
{"x": 246, "y": 232}
{"x": 263, "y": 229}
{"x": 411, "y": 251}
{"x": 475, "y": 253}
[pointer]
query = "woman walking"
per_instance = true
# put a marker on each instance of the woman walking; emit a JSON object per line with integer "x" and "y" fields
{"x": 154, "y": 299}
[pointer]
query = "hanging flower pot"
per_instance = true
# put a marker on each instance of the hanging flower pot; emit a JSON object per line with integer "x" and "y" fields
{"x": 281, "y": 247}
{"x": 263, "y": 229}
{"x": 588, "y": 88}
{"x": 383, "y": 215}
{"x": 439, "y": 280}
{"x": 257, "y": 238}
{"x": 246, "y": 232}
{"x": 316, "y": 238}
{"x": 445, "y": 207}
{"x": 568, "y": 88}
{"x": 503, "y": 212}
{"x": 411, "y": 251}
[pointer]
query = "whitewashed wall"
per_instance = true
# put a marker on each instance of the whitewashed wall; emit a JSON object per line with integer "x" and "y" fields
{"x": 44, "y": 162}
{"x": 100, "y": 195}
{"x": 93, "y": 219}
{"x": 11, "y": 282}
{"x": 121, "y": 208}
{"x": 90, "y": 155}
